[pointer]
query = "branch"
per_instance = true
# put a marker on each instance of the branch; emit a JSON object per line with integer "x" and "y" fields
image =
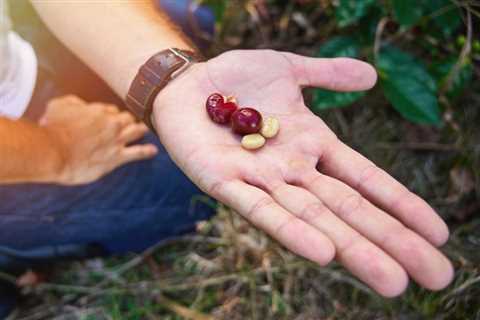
{"x": 467, "y": 47}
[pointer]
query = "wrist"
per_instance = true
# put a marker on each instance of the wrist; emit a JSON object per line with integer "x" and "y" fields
{"x": 56, "y": 168}
{"x": 153, "y": 76}
{"x": 130, "y": 67}
{"x": 169, "y": 96}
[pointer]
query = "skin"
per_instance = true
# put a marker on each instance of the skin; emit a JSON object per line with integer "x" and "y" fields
{"x": 95, "y": 138}
{"x": 74, "y": 143}
{"x": 305, "y": 188}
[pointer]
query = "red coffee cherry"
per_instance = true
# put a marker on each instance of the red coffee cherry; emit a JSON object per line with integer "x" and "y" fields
{"x": 219, "y": 110}
{"x": 214, "y": 100}
{"x": 246, "y": 121}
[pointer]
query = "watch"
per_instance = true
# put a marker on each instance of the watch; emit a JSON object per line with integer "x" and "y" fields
{"x": 152, "y": 77}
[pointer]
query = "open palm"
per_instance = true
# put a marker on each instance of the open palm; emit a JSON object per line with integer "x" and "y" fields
{"x": 305, "y": 188}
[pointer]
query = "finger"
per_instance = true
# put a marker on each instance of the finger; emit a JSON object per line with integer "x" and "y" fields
{"x": 364, "y": 259}
{"x": 376, "y": 185}
{"x": 124, "y": 119}
{"x": 337, "y": 74}
{"x": 133, "y": 133}
{"x": 262, "y": 211}
{"x": 138, "y": 152}
{"x": 422, "y": 261}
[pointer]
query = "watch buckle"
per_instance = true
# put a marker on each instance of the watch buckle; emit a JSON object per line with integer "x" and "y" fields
{"x": 181, "y": 55}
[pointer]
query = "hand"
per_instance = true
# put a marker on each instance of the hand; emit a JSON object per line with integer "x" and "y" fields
{"x": 93, "y": 138}
{"x": 305, "y": 188}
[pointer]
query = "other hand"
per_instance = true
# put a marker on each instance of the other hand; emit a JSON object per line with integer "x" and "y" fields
{"x": 93, "y": 139}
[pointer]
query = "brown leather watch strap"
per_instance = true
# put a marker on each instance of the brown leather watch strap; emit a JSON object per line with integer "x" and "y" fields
{"x": 152, "y": 77}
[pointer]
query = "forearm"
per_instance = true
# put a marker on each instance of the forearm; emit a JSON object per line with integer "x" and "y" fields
{"x": 113, "y": 38}
{"x": 28, "y": 153}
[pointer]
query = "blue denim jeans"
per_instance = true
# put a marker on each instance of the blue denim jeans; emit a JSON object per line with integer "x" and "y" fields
{"x": 130, "y": 209}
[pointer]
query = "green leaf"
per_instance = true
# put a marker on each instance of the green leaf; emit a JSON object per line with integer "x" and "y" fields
{"x": 407, "y": 12}
{"x": 441, "y": 70}
{"x": 341, "y": 46}
{"x": 395, "y": 60}
{"x": 408, "y": 86}
{"x": 336, "y": 47}
{"x": 324, "y": 99}
{"x": 446, "y": 15}
{"x": 367, "y": 26}
{"x": 350, "y": 11}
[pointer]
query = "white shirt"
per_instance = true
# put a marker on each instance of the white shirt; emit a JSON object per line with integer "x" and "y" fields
{"x": 18, "y": 69}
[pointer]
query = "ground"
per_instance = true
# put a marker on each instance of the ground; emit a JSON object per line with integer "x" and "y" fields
{"x": 229, "y": 270}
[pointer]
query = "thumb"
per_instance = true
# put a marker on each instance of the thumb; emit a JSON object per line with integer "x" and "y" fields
{"x": 43, "y": 120}
{"x": 336, "y": 74}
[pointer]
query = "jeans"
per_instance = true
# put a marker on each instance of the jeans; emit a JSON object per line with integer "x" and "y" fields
{"x": 130, "y": 209}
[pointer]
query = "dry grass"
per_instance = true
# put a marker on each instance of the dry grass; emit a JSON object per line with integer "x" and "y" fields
{"x": 229, "y": 270}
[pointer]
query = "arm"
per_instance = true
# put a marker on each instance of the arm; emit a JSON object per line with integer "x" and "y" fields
{"x": 132, "y": 31}
{"x": 305, "y": 188}
{"x": 22, "y": 141}
{"x": 75, "y": 143}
